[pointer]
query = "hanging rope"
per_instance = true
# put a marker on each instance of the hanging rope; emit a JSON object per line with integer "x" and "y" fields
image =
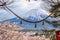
{"x": 1, "y": 5}
{"x": 27, "y": 20}
{"x": 42, "y": 22}
{"x": 23, "y": 18}
{"x": 4, "y": 4}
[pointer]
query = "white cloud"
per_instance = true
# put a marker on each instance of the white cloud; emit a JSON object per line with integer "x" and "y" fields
{"x": 44, "y": 12}
{"x": 25, "y": 5}
{"x": 2, "y": 11}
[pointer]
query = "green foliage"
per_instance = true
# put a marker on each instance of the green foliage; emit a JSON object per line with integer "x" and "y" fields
{"x": 55, "y": 10}
{"x": 56, "y": 23}
{"x": 47, "y": 21}
{"x": 53, "y": 37}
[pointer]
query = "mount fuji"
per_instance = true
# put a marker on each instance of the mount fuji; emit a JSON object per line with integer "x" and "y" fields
{"x": 26, "y": 25}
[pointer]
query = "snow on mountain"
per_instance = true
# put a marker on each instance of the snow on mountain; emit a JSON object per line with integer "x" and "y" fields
{"x": 35, "y": 15}
{"x": 26, "y": 25}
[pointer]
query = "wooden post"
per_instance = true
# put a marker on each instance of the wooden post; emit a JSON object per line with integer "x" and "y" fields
{"x": 58, "y": 35}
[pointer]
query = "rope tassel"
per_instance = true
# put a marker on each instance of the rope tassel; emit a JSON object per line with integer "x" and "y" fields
{"x": 35, "y": 25}
{"x": 21, "y": 22}
{"x": 43, "y": 23}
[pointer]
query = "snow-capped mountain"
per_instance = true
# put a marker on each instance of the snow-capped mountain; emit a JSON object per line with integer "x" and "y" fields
{"x": 35, "y": 15}
{"x": 24, "y": 24}
{"x": 17, "y": 21}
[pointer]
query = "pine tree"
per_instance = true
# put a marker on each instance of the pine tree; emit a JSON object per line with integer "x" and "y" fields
{"x": 55, "y": 10}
